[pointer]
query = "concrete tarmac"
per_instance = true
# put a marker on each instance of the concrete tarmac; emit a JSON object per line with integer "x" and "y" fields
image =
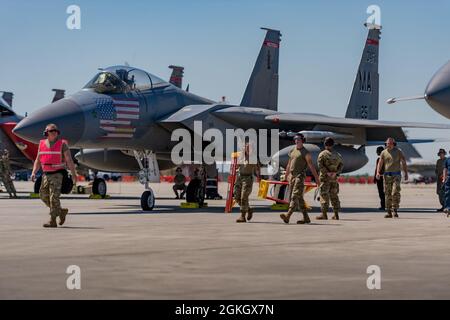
{"x": 174, "y": 253}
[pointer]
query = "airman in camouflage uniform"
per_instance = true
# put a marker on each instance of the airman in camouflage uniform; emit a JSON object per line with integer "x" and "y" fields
{"x": 446, "y": 181}
{"x": 391, "y": 162}
{"x": 50, "y": 190}
{"x": 330, "y": 166}
{"x": 179, "y": 184}
{"x": 244, "y": 184}
{"x": 439, "y": 177}
{"x": 5, "y": 174}
{"x": 299, "y": 160}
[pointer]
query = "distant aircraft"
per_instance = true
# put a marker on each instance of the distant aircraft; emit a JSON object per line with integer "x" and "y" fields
{"x": 437, "y": 93}
{"x": 176, "y": 78}
{"x": 134, "y": 112}
{"x": 21, "y": 152}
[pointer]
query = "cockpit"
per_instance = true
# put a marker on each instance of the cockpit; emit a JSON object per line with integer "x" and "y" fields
{"x": 121, "y": 79}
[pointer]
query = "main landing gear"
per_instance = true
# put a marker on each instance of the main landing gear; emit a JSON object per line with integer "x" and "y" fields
{"x": 99, "y": 187}
{"x": 149, "y": 173}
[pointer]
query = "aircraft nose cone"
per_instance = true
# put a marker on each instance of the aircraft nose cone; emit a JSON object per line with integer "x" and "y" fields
{"x": 65, "y": 113}
{"x": 437, "y": 92}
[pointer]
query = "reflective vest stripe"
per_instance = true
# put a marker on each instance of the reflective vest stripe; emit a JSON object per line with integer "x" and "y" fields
{"x": 51, "y": 157}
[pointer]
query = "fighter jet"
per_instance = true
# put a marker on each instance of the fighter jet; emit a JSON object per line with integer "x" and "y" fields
{"x": 127, "y": 109}
{"x": 21, "y": 152}
{"x": 437, "y": 92}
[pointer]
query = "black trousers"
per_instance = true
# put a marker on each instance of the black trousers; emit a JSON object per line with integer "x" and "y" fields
{"x": 380, "y": 186}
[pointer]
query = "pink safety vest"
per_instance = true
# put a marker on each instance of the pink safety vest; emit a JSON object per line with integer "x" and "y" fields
{"x": 51, "y": 158}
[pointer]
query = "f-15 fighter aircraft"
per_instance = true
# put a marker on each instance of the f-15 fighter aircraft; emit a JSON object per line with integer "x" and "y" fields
{"x": 135, "y": 113}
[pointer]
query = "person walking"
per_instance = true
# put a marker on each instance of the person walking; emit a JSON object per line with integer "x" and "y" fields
{"x": 53, "y": 156}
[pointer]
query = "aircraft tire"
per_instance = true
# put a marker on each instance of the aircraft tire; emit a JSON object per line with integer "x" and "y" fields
{"x": 99, "y": 187}
{"x": 147, "y": 200}
{"x": 37, "y": 184}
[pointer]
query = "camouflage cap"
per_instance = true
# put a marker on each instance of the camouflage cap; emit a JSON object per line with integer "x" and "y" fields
{"x": 299, "y": 136}
{"x": 329, "y": 142}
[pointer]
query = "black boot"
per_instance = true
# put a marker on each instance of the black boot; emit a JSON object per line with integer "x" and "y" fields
{"x": 305, "y": 219}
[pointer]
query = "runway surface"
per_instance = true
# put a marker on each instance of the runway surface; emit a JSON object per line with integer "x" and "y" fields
{"x": 173, "y": 253}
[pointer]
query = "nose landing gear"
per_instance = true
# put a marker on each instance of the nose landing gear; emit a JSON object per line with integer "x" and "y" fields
{"x": 149, "y": 173}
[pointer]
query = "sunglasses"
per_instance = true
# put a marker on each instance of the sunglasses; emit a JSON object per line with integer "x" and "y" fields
{"x": 52, "y": 130}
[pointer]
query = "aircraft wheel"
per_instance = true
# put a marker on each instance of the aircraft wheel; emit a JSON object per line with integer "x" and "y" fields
{"x": 147, "y": 200}
{"x": 37, "y": 184}
{"x": 99, "y": 187}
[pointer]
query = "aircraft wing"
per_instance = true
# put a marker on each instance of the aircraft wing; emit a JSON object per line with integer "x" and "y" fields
{"x": 306, "y": 118}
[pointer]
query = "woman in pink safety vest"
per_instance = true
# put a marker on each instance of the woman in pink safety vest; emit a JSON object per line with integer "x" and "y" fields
{"x": 53, "y": 155}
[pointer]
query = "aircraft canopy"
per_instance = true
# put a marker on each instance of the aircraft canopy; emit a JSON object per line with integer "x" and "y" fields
{"x": 119, "y": 79}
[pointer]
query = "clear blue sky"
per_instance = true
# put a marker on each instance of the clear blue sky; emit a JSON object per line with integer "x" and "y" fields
{"x": 217, "y": 42}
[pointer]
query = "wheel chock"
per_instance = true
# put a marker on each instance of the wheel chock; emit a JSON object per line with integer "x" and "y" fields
{"x": 279, "y": 206}
{"x": 97, "y": 196}
{"x": 192, "y": 205}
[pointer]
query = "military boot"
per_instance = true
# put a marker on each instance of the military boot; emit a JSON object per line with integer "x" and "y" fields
{"x": 324, "y": 216}
{"x": 51, "y": 223}
{"x": 336, "y": 216}
{"x": 395, "y": 213}
{"x": 286, "y": 216}
{"x": 241, "y": 218}
{"x": 305, "y": 220}
{"x": 62, "y": 216}
{"x": 249, "y": 214}
{"x": 388, "y": 215}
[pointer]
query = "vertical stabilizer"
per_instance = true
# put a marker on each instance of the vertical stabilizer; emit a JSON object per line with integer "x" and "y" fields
{"x": 59, "y": 94}
{"x": 176, "y": 78}
{"x": 262, "y": 88}
{"x": 364, "y": 100}
{"x": 8, "y": 97}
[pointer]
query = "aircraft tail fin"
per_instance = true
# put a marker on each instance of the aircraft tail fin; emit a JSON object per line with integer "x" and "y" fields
{"x": 176, "y": 78}
{"x": 262, "y": 88}
{"x": 8, "y": 98}
{"x": 59, "y": 94}
{"x": 365, "y": 95}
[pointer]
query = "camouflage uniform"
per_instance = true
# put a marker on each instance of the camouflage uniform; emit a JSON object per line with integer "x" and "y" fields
{"x": 440, "y": 185}
{"x": 1, "y": 171}
{"x": 179, "y": 181}
{"x": 329, "y": 162}
{"x": 447, "y": 187}
{"x": 297, "y": 171}
{"x": 5, "y": 172}
{"x": 392, "y": 178}
{"x": 243, "y": 189}
{"x": 50, "y": 190}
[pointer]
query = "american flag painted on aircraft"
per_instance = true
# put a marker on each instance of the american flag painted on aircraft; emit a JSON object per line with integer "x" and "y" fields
{"x": 116, "y": 116}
